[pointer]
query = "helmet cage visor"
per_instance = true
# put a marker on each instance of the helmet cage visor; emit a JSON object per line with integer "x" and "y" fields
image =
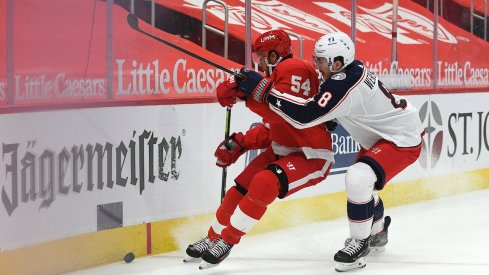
{"x": 319, "y": 60}
{"x": 262, "y": 60}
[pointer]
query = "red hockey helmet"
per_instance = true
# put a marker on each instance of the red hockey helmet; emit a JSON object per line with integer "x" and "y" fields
{"x": 274, "y": 40}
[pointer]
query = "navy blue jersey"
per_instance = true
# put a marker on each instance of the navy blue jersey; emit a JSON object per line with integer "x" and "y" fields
{"x": 359, "y": 102}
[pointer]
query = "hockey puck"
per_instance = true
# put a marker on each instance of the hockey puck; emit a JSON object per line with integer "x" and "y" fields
{"x": 129, "y": 257}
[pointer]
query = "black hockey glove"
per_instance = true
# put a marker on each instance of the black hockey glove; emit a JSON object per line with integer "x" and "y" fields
{"x": 331, "y": 125}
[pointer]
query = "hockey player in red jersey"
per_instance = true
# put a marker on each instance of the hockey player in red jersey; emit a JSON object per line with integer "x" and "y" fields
{"x": 293, "y": 159}
{"x": 385, "y": 125}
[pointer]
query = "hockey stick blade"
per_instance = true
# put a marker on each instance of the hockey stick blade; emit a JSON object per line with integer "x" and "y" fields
{"x": 132, "y": 20}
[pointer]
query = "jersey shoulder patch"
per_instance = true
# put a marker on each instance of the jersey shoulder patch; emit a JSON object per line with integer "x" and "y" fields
{"x": 339, "y": 76}
{"x": 343, "y": 81}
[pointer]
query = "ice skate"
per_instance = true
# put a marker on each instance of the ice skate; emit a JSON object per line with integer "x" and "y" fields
{"x": 216, "y": 254}
{"x": 195, "y": 250}
{"x": 352, "y": 256}
{"x": 379, "y": 240}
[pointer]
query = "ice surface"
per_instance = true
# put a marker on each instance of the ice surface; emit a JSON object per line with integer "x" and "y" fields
{"x": 444, "y": 236}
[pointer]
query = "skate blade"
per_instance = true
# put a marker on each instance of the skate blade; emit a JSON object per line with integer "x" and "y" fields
{"x": 189, "y": 259}
{"x": 378, "y": 249}
{"x": 342, "y": 267}
{"x": 206, "y": 265}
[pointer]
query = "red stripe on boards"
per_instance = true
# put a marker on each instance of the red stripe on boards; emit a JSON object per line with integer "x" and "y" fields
{"x": 148, "y": 238}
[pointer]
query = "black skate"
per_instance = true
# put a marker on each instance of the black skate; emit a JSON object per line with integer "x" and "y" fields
{"x": 379, "y": 240}
{"x": 352, "y": 256}
{"x": 195, "y": 250}
{"x": 216, "y": 254}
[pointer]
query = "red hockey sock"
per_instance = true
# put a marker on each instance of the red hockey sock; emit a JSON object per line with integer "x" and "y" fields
{"x": 264, "y": 188}
{"x": 224, "y": 212}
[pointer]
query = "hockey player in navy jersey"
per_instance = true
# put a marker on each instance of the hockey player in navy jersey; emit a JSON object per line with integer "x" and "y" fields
{"x": 386, "y": 126}
{"x": 294, "y": 159}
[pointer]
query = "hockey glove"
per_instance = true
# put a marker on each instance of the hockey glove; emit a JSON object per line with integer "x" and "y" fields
{"x": 331, "y": 125}
{"x": 254, "y": 85}
{"x": 227, "y": 92}
{"x": 228, "y": 154}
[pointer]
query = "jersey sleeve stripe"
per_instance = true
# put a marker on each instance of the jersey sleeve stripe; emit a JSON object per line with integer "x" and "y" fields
{"x": 290, "y": 98}
{"x": 293, "y": 122}
{"x": 303, "y": 113}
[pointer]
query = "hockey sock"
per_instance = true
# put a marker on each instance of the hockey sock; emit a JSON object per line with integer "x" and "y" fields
{"x": 360, "y": 218}
{"x": 360, "y": 180}
{"x": 224, "y": 212}
{"x": 263, "y": 190}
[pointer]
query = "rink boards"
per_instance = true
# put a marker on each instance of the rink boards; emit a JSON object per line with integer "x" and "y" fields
{"x": 83, "y": 187}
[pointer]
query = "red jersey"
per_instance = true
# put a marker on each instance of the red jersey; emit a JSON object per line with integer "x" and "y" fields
{"x": 298, "y": 78}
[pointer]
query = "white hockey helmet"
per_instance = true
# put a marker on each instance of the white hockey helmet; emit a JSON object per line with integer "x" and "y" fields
{"x": 333, "y": 46}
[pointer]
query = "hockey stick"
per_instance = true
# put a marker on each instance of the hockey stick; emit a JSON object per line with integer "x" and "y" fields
{"x": 132, "y": 20}
{"x": 226, "y": 139}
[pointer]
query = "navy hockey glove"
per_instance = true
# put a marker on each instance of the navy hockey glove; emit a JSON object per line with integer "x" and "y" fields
{"x": 228, "y": 154}
{"x": 331, "y": 125}
{"x": 253, "y": 85}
